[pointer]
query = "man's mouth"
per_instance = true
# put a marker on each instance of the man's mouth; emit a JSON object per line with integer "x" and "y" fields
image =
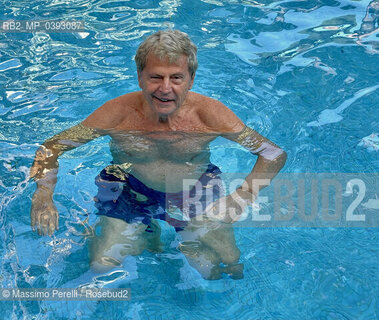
{"x": 163, "y": 99}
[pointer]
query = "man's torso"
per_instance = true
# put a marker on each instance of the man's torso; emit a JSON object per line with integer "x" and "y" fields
{"x": 161, "y": 156}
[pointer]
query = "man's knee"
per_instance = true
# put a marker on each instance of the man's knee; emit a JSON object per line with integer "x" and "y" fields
{"x": 230, "y": 255}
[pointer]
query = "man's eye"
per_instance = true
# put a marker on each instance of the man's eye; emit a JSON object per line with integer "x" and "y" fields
{"x": 177, "y": 79}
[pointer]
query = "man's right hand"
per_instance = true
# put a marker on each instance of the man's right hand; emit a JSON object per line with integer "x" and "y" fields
{"x": 44, "y": 215}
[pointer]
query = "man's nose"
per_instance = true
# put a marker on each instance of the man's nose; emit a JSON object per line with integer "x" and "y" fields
{"x": 165, "y": 85}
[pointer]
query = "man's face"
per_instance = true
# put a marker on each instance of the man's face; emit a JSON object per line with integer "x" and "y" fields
{"x": 165, "y": 85}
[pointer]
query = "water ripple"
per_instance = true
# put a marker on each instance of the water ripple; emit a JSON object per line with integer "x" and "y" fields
{"x": 10, "y": 64}
{"x": 328, "y": 116}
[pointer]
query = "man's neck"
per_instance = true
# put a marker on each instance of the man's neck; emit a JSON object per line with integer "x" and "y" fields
{"x": 163, "y": 121}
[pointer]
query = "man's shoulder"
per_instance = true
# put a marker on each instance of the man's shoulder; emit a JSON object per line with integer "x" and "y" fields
{"x": 114, "y": 111}
{"x": 216, "y": 115}
{"x": 126, "y": 101}
{"x": 198, "y": 99}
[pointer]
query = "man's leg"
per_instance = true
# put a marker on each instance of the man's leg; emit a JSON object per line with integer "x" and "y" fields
{"x": 115, "y": 239}
{"x": 222, "y": 241}
{"x": 207, "y": 245}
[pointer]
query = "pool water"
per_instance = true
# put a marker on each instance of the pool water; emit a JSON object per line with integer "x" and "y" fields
{"x": 302, "y": 73}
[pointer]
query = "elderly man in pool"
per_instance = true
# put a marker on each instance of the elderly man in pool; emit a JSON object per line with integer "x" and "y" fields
{"x": 160, "y": 138}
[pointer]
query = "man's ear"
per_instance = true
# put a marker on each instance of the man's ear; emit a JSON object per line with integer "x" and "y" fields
{"x": 191, "y": 82}
{"x": 139, "y": 79}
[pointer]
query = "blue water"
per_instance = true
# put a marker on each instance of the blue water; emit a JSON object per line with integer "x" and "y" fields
{"x": 303, "y": 73}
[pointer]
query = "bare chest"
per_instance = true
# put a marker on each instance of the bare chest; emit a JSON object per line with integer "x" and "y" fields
{"x": 178, "y": 147}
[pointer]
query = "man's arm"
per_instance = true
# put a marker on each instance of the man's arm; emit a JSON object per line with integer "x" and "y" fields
{"x": 47, "y": 155}
{"x": 44, "y": 215}
{"x": 271, "y": 158}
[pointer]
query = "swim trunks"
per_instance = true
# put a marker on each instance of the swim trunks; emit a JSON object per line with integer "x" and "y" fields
{"x": 122, "y": 196}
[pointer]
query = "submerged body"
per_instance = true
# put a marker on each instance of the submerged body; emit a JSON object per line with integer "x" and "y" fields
{"x": 161, "y": 158}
